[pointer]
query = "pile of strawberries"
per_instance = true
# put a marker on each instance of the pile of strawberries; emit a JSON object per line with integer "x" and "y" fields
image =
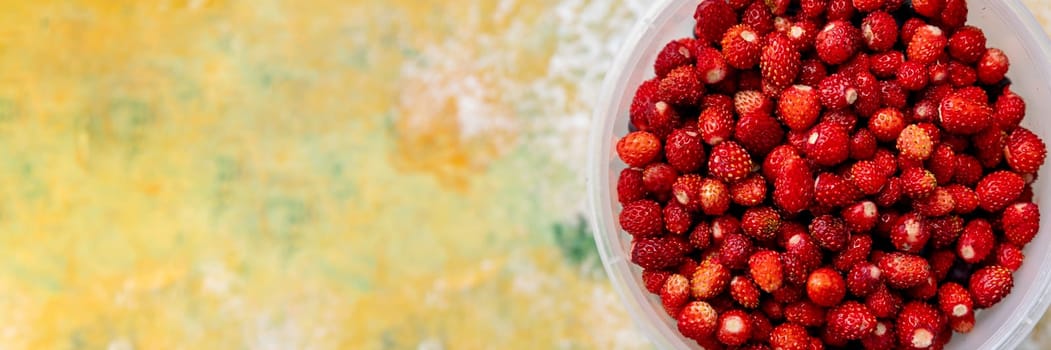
{"x": 806, "y": 174}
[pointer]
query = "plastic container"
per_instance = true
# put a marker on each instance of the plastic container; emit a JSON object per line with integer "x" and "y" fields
{"x": 1008, "y": 26}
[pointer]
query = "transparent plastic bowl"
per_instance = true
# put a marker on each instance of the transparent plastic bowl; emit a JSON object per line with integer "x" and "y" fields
{"x": 1008, "y": 26}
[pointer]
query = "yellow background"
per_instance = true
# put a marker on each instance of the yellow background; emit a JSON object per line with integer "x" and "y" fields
{"x": 222, "y": 174}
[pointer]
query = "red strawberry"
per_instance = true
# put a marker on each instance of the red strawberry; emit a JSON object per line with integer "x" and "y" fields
{"x": 787, "y": 294}
{"x": 998, "y": 189}
{"x": 939, "y": 203}
{"x": 989, "y": 146}
{"x": 812, "y": 8}
{"x": 735, "y": 328}
{"x": 1020, "y": 222}
{"x": 742, "y": 46}
{"x": 862, "y": 145}
{"x": 716, "y": 124}
{"x": 868, "y": 5}
{"x": 729, "y": 162}
{"x": 689, "y": 265}
{"x": 927, "y": 43}
{"x": 750, "y": 191}
{"x": 909, "y": 233}
{"x": 861, "y": 217}
{"x": 830, "y": 190}
{"x": 928, "y": 8}
{"x": 965, "y": 200}
{"x": 642, "y": 103}
{"x": 801, "y": 247}
{"x": 790, "y": 336}
{"x": 840, "y": 10}
{"x": 805, "y": 313}
{"x": 857, "y": 251}
{"x": 829, "y": 232}
{"x": 961, "y": 114}
{"x": 684, "y": 151}
{"x": 799, "y": 107}
{"x": 909, "y": 28}
{"x": 882, "y": 337}
{"x": 868, "y": 94}
{"x": 765, "y": 269}
{"x": 656, "y": 252}
{"x": 772, "y": 309}
{"x": 944, "y": 230}
{"x": 955, "y": 302}
{"x": 802, "y": 34}
{"x": 837, "y": 42}
{"x": 885, "y": 64}
{"x": 912, "y": 76}
{"x": 917, "y": 325}
{"x": 811, "y": 72}
{"x": 1008, "y": 255}
{"x": 967, "y": 44}
{"x": 675, "y": 294}
{"x": 724, "y": 226}
{"x": 989, "y": 285}
{"x": 918, "y": 182}
{"x": 639, "y": 148}
{"x": 887, "y": 124}
{"x": 892, "y": 95}
{"x": 778, "y": 159}
{"x": 954, "y": 15}
{"x": 914, "y": 143}
{"x": 883, "y": 302}
{"x": 879, "y": 31}
{"x": 761, "y": 223}
{"x": 976, "y": 241}
{"x": 924, "y": 291}
{"x": 687, "y": 190}
{"x": 735, "y": 250}
{"x": 751, "y": 102}
{"x": 744, "y": 292}
{"x": 709, "y": 280}
{"x": 837, "y": 92}
{"x": 698, "y": 320}
{"x": 1008, "y": 110}
{"x": 794, "y": 188}
{"x": 863, "y": 279}
{"x": 779, "y": 62}
{"x": 758, "y": 133}
{"x": 925, "y": 110}
{"x": 851, "y": 320}
{"x": 942, "y": 262}
{"x": 992, "y": 66}
{"x": 938, "y": 70}
{"x": 701, "y": 236}
{"x": 714, "y": 197}
{"x": 654, "y": 280}
{"x": 761, "y": 327}
{"x": 1025, "y": 151}
{"x": 826, "y": 287}
{"x": 942, "y": 163}
{"x": 890, "y": 194}
{"x": 677, "y": 219}
{"x": 968, "y": 170}
{"x": 713, "y": 18}
{"x": 681, "y": 87}
{"x": 903, "y": 270}
{"x": 758, "y": 16}
{"x": 658, "y": 178}
{"x": 711, "y": 66}
{"x": 827, "y": 144}
{"x": 629, "y": 186}
{"x": 717, "y": 101}
{"x": 675, "y": 54}
{"x": 642, "y": 218}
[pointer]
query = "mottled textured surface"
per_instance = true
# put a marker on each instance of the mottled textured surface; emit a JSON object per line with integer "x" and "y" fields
{"x": 365, "y": 174}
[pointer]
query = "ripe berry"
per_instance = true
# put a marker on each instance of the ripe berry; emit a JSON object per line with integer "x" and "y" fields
{"x": 861, "y": 217}
{"x": 863, "y": 279}
{"x": 927, "y": 43}
{"x": 965, "y": 200}
{"x": 687, "y": 191}
{"x": 968, "y": 170}
{"x": 989, "y": 285}
{"x": 1020, "y": 222}
{"x": 711, "y": 66}
{"x": 675, "y": 294}
{"x": 735, "y": 250}
{"x": 812, "y": 72}
{"x": 832, "y": 191}
{"x": 751, "y": 102}
{"x": 914, "y": 143}
{"x": 709, "y": 280}
{"x": 750, "y": 191}
{"x": 681, "y": 87}
{"x": 675, "y": 54}
{"x": 656, "y": 252}
{"x": 989, "y": 146}
{"x": 1025, "y": 151}
{"x": 735, "y": 328}
{"x": 837, "y": 42}
{"x": 917, "y": 325}
{"x": 998, "y": 189}
{"x": 883, "y": 302}
{"x": 684, "y": 151}
{"x": 942, "y": 163}
{"x": 1008, "y": 255}
{"x": 857, "y": 251}
{"x": 790, "y": 336}
{"x": 758, "y": 16}
{"x": 887, "y": 124}
{"x": 629, "y": 186}
{"x": 642, "y": 218}
{"x": 827, "y": 144}
{"x": 729, "y": 162}
{"x": 654, "y": 280}
{"x": 851, "y": 320}
{"x": 779, "y": 62}
{"x": 918, "y": 182}
{"x": 716, "y": 124}
{"x": 758, "y": 133}
{"x": 713, "y": 19}
{"x": 912, "y": 75}
{"x": 976, "y": 241}
{"x": 1008, "y": 110}
{"x": 902, "y": 270}
{"x": 961, "y": 75}
{"x": 741, "y": 46}
{"x": 868, "y": 5}
{"x": 885, "y": 64}
{"x": 967, "y": 44}
{"x": 701, "y": 236}
{"x": 765, "y": 268}
{"x": 677, "y": 219}
{"x": 794, "y": 187}
{"x": 799, "y": 107}
{"x": 761, "y": 223}
{"x": 639, "y": 148}
{"x": 658, "y": 179}
{"x": 826, "y": 287}
{"x": 698, "y": 320}
{"x": 744, "y": 292}
{"x": 936, "y": 204}
{"x": 992, "y": 67}
{"x": 909, "y": 233}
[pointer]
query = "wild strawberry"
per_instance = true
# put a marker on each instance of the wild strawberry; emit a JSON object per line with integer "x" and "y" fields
{"x": 735, "y": 250}
{"x": 837, "y": 42}
{"x": 928, "y": 8}
{"x": 989, "y": 146}
{"x": 840, "y": 10}
{"x": 913, "y": 142}
{"x": 944, "y": 230}
{"x": 729, "y": 162}
{"x": 799, "y": 107}
{"x": 714, "y": 197}
{"x": 976, "y": 242}
{"x": 965, "y": 200}
{"x": 942, "y": 163}
{"x": 868, "y": 5}
{"x": 992, "y": 66}
{"x": 735, "y": 328}
{"x": 656, "y": 252}
{"x": 1020, "y": 222}
{"x": 779, "y": 62}
{"x": 716, "y": 124}
{"x": 955, "y": 302}
{"x": 954, "y": 15}
{"x": 843, "y": 118}
{"x": 698, "y": 320}
{"x": 882, "y": 337}
{"x": 1008, "y": 255}
{"x": 868, "y": 101}
{"x": 890, "y": 194}
{"x": 717, "y": 101}
{"x": 701, "y": 236}
{"x": 675, "y": 54}
{"x": 941, "y": 260}
{"x": 863, "y": 279}
{"x": 831, "y": 191}
{"x": 761, "y": 223}
{"x": 998, "y": 189}
{"x": 926, "y": 44}
{"x": 687, "y": 190}
{"x": 802, "y": 247}
{"x": 689, "y": 265}
{"x": 639, "y": 148}
{"x": 829, "y": 232}
{"x": 741, "y": 46}
{"x": 924, "y": 291}
{"x": 750, "y": 191}
{"x": 658, "y": 178}
{"x": 812, "y": 72}
{"x": 892, "y": 95}
{"x": 642, "y": 104}
{"x": 967, "y": 44}
{"x": 827, "y": 144}
{"x": 938, "y": 71}
{"x": 713, "y": 18}
{"x": 675, "y": 294}
{"x": 684, "y": 151}
{"x": 748, "y": 80}
{"x": 860, "y": 217}
{"x": 765, "y": 269}
{"x": 724, "y": 226}
{"x": 989, "y": 285}
{"x": 805, "y": 313}
{"x": 909, "y": 233}
{"x": 862, "y": 145}
{"x": 857, "y": 251}
{"x": 709, "y": 280}
{"x": 772, "y": 309}
{"x": 629, "y": 186}
{"x": 802, "y": 34}
{"x": 744, "y": 292}
{"x": 879, "y": 31}
{"x": 681, "y": 87}
{"x": 758, "y": 133}
{"x": 917, "y": 325}
{"x": 883, "y": 302}
{"x": 1008, "y": 110}
{"x": 826, "y": 287}
{"x": 790, "y": 336}
{"x": 752, "y": 102}
{"x": 779, "y": 158}
{"x": 961, "y": 75}
{"x": 918, "y": 182}
{"x": 886, "y": 125}
{"x": 885, "y": 64}
{"x": 642, "y": 218}
{"x": 851, "y": 320}
{"x": 758, "y": 16}
{"x": 676, "y": 218}
{"x": 912, "y": 76}
{"x": 902, "y": 270}
{"x": 794, "y": 188}
{"x": 968, "y": 170}
{"x": 654, "y": 280}
{"x": 1025, "y": 151}
{"x": 711, "y": 66}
